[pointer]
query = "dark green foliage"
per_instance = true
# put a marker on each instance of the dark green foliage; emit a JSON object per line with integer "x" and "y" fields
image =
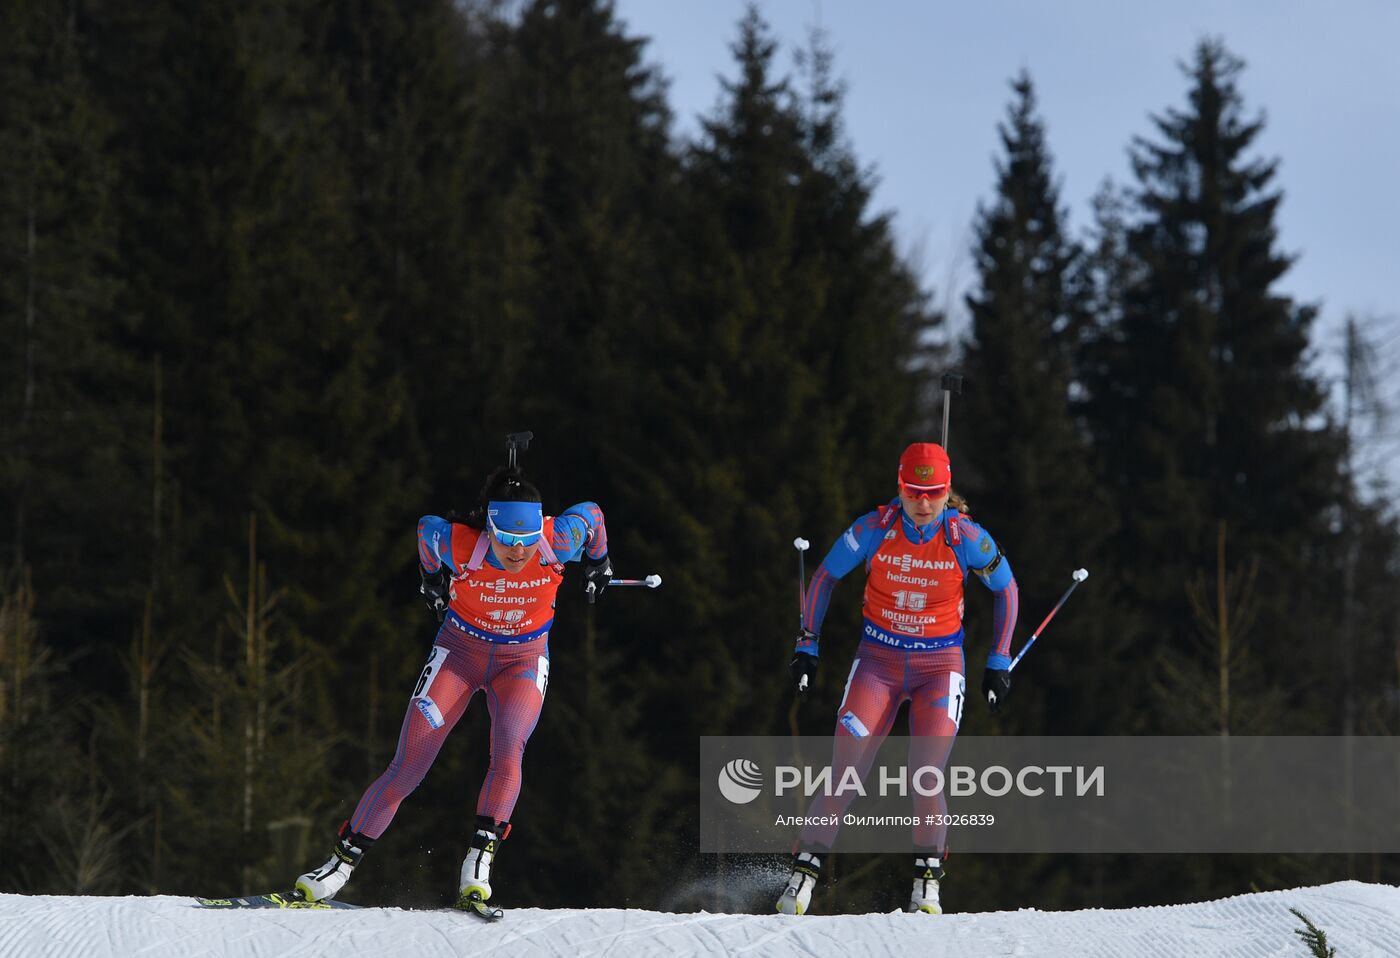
{"x": 38, "y": 755}
{"x": 70, "y": 396}
{"x": 1201, "y": 401}
{"x": 1312, "y": 936}
{"x": 1207, "y": 419}
{"x": 1019, "y": 447}
{"x": 275, "y": 279}
{"x": 1026, "y": 466}
{"x": 789, "y": 291}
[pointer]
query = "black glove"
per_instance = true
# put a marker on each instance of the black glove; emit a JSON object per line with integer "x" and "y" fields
{"x": 803, "y": 664}
{"x": 996, "y": 685}
{"x": 437, "y": 590}
{"x": 597, "y": 573}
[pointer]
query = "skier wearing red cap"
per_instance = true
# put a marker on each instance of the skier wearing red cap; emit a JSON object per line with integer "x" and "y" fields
{"x": 918, "y": 550}
{"x": 492, "y": 580}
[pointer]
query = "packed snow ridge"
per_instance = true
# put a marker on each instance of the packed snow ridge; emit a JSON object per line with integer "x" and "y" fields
{"x": 1359, "y": 920}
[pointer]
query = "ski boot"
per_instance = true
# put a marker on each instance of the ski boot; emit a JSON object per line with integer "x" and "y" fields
{"x": 475, "y": 884}
{"x": 797, "y": 896}
{"x": 928, "y": 872}
{"x": 325, "y": 882}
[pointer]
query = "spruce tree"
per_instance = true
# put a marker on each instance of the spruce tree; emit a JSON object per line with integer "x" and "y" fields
{"x": 1202, "y": 402}
{"x": 1019, "y": 454}
{"x": 399, "y": 84}
{"x": 1024, "y": 463}
{"x": 567, "y": 172}
{"x": 791, "y": 301}
{"x": 1205, "y": 413}
{"x": 67, "y": 394}
{"x": 235, "y": 245}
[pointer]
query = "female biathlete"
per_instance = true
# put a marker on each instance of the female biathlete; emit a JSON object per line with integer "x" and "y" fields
{"x": 492, "y": 580}
{"x": 917, "y": 551}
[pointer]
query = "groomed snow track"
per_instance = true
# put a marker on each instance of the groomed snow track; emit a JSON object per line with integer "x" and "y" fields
{"x": 1360, "y": 920}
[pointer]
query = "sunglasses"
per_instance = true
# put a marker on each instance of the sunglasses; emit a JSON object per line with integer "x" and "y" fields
{"x": 913, "y": 492}
{"x": 513, "y": 538}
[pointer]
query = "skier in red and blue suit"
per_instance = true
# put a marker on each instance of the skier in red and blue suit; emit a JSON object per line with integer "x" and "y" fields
{"x": 492, "y": 580}
{"x": 918, "y": 551}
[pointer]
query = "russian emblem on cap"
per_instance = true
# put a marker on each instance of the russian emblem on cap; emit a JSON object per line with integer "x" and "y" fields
{"x": 925, "y": 465}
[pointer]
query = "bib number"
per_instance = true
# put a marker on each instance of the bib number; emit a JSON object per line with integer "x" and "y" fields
{"x": 957, "y": 693}
{"x": 542, "y": 675}
{"x": 912, "y": 601}
{"x": 421, "y": 699}
{"x": 430, "y": 671}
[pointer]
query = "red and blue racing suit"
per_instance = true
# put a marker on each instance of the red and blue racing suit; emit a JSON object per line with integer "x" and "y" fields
{"x": 494, "y": 639}
{"x": 911, "y": 647}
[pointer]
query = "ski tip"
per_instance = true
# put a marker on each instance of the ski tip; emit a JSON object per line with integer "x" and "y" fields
{"x": 474, "y": 903}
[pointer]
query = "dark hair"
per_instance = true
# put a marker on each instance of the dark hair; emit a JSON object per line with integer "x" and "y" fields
{"x": 506, "y": 484}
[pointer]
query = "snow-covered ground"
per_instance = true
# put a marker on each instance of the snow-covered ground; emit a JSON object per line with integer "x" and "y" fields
{"x": 1359, "y": 919}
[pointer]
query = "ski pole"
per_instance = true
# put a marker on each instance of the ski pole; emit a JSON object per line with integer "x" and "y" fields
{"x": 952, "y": 383}
{"x": 801, "y": 545}
{"x": 650, "y": 582}
{"x": 1079, "y": 575}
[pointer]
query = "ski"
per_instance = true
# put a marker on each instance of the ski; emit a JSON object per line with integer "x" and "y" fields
{"x": 275, "y": 900}
{"x": 472, "y": 903}
{"x": 475, "y": 904}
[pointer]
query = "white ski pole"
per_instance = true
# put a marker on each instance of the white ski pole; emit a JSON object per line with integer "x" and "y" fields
{"x": 801, "y": 545}
{"x": 1079, "y": 575}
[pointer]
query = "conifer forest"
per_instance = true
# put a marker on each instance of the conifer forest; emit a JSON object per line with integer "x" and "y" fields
{"x": 277, "y": 279}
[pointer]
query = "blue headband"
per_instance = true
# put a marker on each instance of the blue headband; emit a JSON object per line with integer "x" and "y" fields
{"x": 515, "y": 523}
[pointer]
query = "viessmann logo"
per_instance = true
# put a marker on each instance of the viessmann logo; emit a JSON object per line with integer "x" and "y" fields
{"x": 501, "y": 585}
{"x": 740, "y": 781}
{"x": 908, "y": 562}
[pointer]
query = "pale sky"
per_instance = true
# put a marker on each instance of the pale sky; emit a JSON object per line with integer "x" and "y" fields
{"x": 927, "y": 84}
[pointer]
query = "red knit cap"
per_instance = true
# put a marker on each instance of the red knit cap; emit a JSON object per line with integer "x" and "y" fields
{"x": 924, "y": 467}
